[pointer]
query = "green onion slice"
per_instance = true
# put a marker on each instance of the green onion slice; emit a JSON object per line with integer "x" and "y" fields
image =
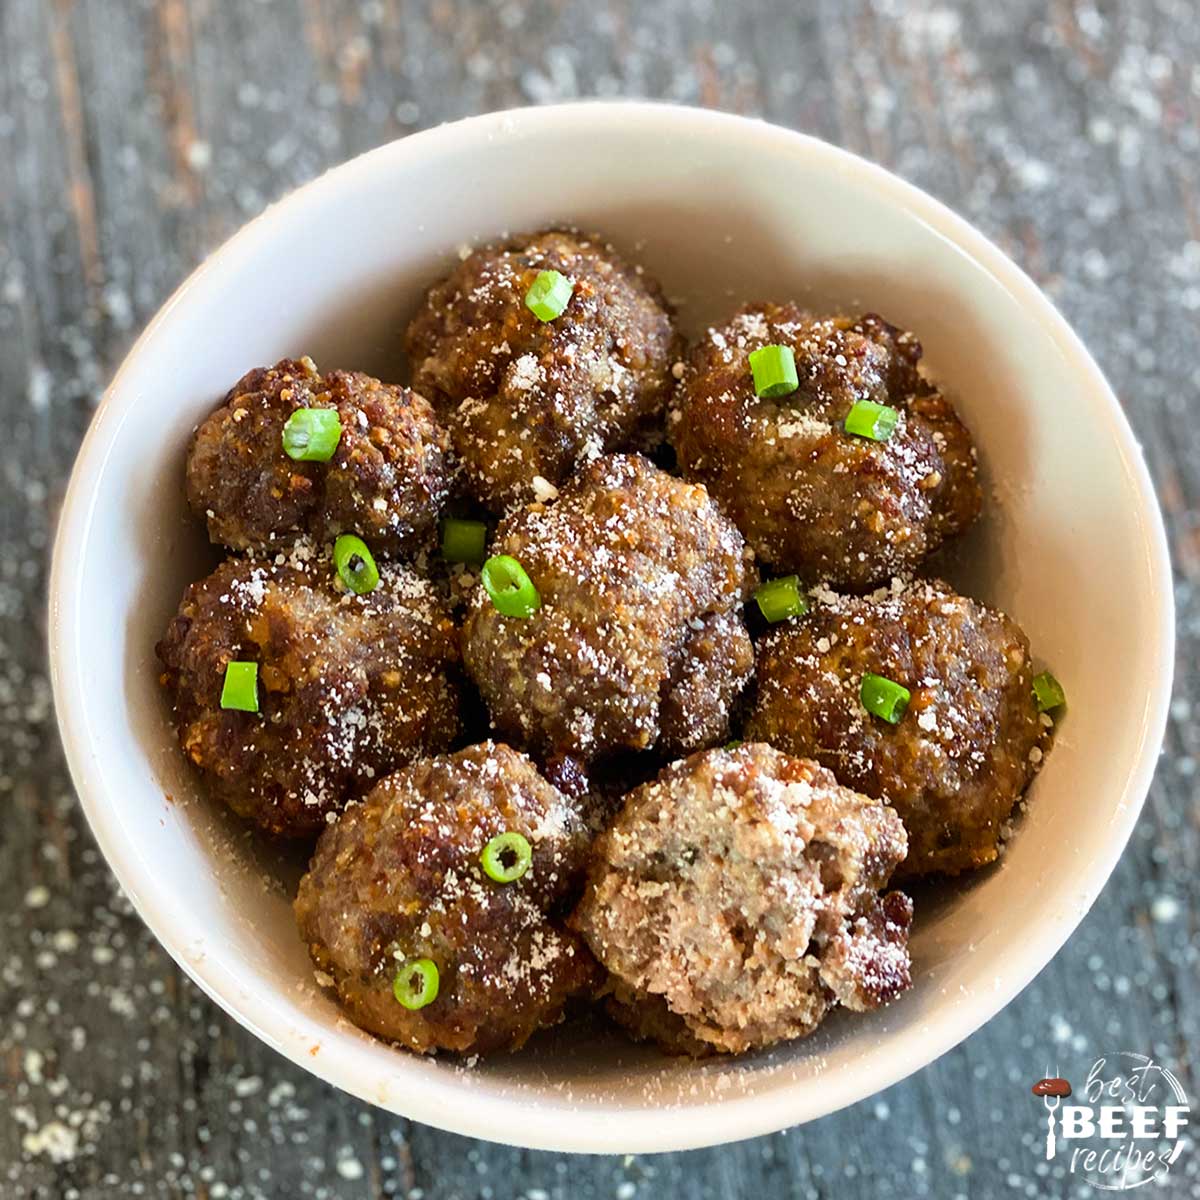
{"x": 1048, "y": 692}
{"x": 355, "y": 565}
{"x": 511, "y": 590}
{"x": 312, "y": 434}
{"x": 774, "y": 371}
{"x": 463, "y": 541}
{"x": 416, "y": 983}
{"x": 870, "y": 420}
{"x": 884, "y": 697}
{"x": 240, "y": 689}
{"x": 548, "y": 295}
{"x": 506, "y": 857}
{"x": 779, "y": 599}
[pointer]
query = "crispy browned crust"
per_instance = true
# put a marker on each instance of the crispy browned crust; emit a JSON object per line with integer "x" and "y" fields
{"x": 350, "y": 687}
{"x": 398, "y": 877}
{"x": 735, "y": 900}
{"x": 646, "y": 1017}
{"x": 809, "y": 497}
{"x": 708, "y": 677}
{"x": 386, "y": 481}
{"x": 966, "y": 748}
{"x": 525, "y": 398}
{"x": 639, "y": 575}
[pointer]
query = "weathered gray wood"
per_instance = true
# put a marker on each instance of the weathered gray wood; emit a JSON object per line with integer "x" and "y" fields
{"x": 135, "y": 136}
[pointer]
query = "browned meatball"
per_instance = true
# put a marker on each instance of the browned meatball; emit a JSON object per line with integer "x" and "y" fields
{"x": 349, "y": 686}
{"x": 528, "y": 400}
{"x": 969, "y": 742}
{"x": 734, "y": 902}
{"x": 708, "y": 676}
{"x": 398, "y": 878}
{"x": 639, "y": 640}
{"x": 809, "y": 497}
{"x": 385, "y": 482}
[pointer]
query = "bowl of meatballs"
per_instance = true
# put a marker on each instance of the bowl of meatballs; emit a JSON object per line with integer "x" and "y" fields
{"x": 634, "y": 655}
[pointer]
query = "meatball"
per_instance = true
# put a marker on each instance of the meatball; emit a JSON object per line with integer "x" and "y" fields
{"x": 528, "y": 400}
{"x": 385, "y": 482}
{"x": 735, "y": 901}
{"x": 349, "y": 686}
{"x": 639, "y": 641}
{"x": 809, "y": 497}
{"x": 398, "y": 879}
{"x": 969, "y": 741}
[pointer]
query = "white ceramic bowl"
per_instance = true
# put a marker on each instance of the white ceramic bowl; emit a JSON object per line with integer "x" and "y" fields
{"x": 722, "y": 210}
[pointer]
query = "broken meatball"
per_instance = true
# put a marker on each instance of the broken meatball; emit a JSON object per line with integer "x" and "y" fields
{"x": 736, "y": 900}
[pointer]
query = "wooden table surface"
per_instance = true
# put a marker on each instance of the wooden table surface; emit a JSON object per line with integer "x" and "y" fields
{"x": 136, "y": 135}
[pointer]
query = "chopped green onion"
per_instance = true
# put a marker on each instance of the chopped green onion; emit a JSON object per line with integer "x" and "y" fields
{"x": 240, "y": 689}
{"x": 312, "y": 434}
{"x": 774, "y": 371}
{"x": 463, "y": 541}
{"x": 511, "y": 590}
{"x": 1048, "y": 692}
{"x": 355, "y": 564}
{"x": 732, "y": 745}
{"x": 884, "y": 697}
{"x": 506, "y": 857}
{"x": 548, "y": 295}
{"x": 870, "y": 420}
{"x": 416, "y": 983}
{"x": 781, "y": 598}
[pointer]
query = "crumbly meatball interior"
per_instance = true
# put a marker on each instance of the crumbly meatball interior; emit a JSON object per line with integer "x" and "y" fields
{"x": 639, "y": 640}
{"x": 527, "y": 400}
{"x": 735, "y": 901}
{"x": 809, "y": 497}
{"x": 969, "y": 742}
{"x": 385, "y": 482}
{"x": 350, "y": 687}
{"x": 398, "y": 878}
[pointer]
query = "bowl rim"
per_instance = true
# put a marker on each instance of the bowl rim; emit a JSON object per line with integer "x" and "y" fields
{"x": 442, "y": 1101}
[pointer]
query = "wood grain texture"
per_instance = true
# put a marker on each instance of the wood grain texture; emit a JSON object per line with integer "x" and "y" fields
{"x": 135, "y": 135}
